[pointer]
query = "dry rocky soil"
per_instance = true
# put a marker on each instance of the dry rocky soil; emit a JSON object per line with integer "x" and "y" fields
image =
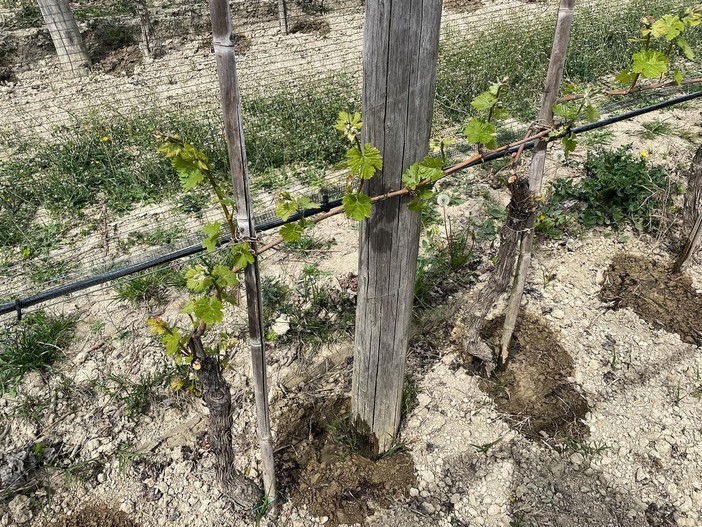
{"x": 596, "y": 420}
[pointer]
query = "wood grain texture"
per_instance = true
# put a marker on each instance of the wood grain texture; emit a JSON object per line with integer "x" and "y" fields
{"x": 223, "y": 42}
{"x": 283, "y": 16}
{"x": 692, "y": 215}
{"x": 552, "y": 86}
{"x": 401, "y": 41}
{"x": 65, "y": 35}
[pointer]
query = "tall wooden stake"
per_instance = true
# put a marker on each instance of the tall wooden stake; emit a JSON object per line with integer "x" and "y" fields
{"x": 148, "y": 37}
{"x": 692, "y": 222}
{"x": 401, "y": 43}
{"x": 65, "y": 35}
{"x": 223, "y": 41}
{"x": 536, "y": 170}
{"x": 283, "y": 16}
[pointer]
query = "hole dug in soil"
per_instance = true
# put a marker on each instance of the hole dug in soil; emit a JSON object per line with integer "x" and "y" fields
{"x": 660, "y": 298}
{"x": 533, "y": 390}
{"x": 322, "y": 470}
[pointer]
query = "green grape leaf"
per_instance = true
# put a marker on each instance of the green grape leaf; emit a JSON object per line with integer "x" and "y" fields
{"x": 685, "y": 48}
{"x": 188, "y": 308}
{"x": 566, "y": 111}
{"x": 693, "y": 17}
{"x": 592, "y": 114}
{"x": 189, "y": 173}
{"x": 287, "y": 205}
{"x": 650, "y": 63}
{"x": 242, "y": 255}
{"x": 212, "y": 230}
{"x": 364, "y": 164}
{"x": 349, "y": 125}
{"x": 425, "y": 193}
{"x": 411, "y": 177}
{"x": 357, "y": 206}
{"x": 171, "y": 341}
{"x": 198, "y": 279}
{"x": 625, "y": 77}
{"x": 569, "y": 144}
{"x": 431, "y": 169}
{"x": 481, "y": 133}
{"x": 484, "y": 101}
{"x": 304, "y": 203}
{"x": 668, "y": 27}
{"x": 416, "y": 205}
{"x": 209, "y": 310}
{"x": 157, "y": 326}
{"x": 291, "y": 232}
{"x": 191, "y": 153}
{"x": 171, "y": 147}
{"x": 224, "y": 276}
{"x": 678, "y": 76}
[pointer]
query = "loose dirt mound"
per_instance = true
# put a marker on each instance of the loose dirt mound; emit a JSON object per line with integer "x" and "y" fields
{"x": 661, "y": 299}
{"x": 316, "y": 26}
{"x": 534, "y": 391}
{"x": 322, "y": 471}
{"x": 95, "y": 516}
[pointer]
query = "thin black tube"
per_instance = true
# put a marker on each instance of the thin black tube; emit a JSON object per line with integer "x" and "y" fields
{"x": 56, "y": 292}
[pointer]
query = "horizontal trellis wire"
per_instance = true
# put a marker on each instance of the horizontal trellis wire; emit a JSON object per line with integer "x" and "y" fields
{"x": 83, "y": 191}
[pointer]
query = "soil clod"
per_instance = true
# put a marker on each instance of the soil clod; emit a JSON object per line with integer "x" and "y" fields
{"x": 533, "y": 391}
{"x": 323, "y": 471}
{"x": 660, "y": 298}
{"x": 95, "y": 516}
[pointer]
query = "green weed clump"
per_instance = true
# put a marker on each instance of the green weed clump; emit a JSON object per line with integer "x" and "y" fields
{"x": 26, "y": 12}
{"x": 316, "y": 311}
{"x": 443, "y": 267}
{"x": 599, "y": 46}
{"x": 115, "y": 160}
{"x": 149, "y": 286}
{"x": 34, "y": 344}
{"x": 297, "y": 126}
{"x": 618, "y": 188}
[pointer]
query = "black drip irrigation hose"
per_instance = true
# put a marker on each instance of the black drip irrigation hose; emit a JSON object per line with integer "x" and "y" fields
{"x": 267, "y": 225}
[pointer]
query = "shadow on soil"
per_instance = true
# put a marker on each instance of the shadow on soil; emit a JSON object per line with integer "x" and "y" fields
{"x": 549, "y": 487}
{"x": 660, "y": 298}
{"x": 319, "y": 467}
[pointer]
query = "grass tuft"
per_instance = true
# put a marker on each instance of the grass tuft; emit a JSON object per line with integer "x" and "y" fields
{"x": 33, "y": 344}
{"x": 600, "y": 45}
{"x": 149, "y": 286}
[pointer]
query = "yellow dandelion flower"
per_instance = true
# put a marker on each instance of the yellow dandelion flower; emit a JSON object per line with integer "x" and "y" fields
{"x": 104, "y": 138}
{"x": 644, "y": 153}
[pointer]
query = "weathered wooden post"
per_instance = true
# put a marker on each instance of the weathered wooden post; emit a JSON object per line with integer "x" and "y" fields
{"x": 401, "y": 43}
{"x": 536, "y": 169}
{"x": 283, "y": 16}
{"x": 223, "y": 41}
{"x": 148, "y": 43}
{"x": 65, "y": 35}
{"x": 692, "y": 220}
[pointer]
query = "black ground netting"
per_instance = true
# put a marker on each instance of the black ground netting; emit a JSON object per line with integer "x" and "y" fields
{"x": 83, "y": 189}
